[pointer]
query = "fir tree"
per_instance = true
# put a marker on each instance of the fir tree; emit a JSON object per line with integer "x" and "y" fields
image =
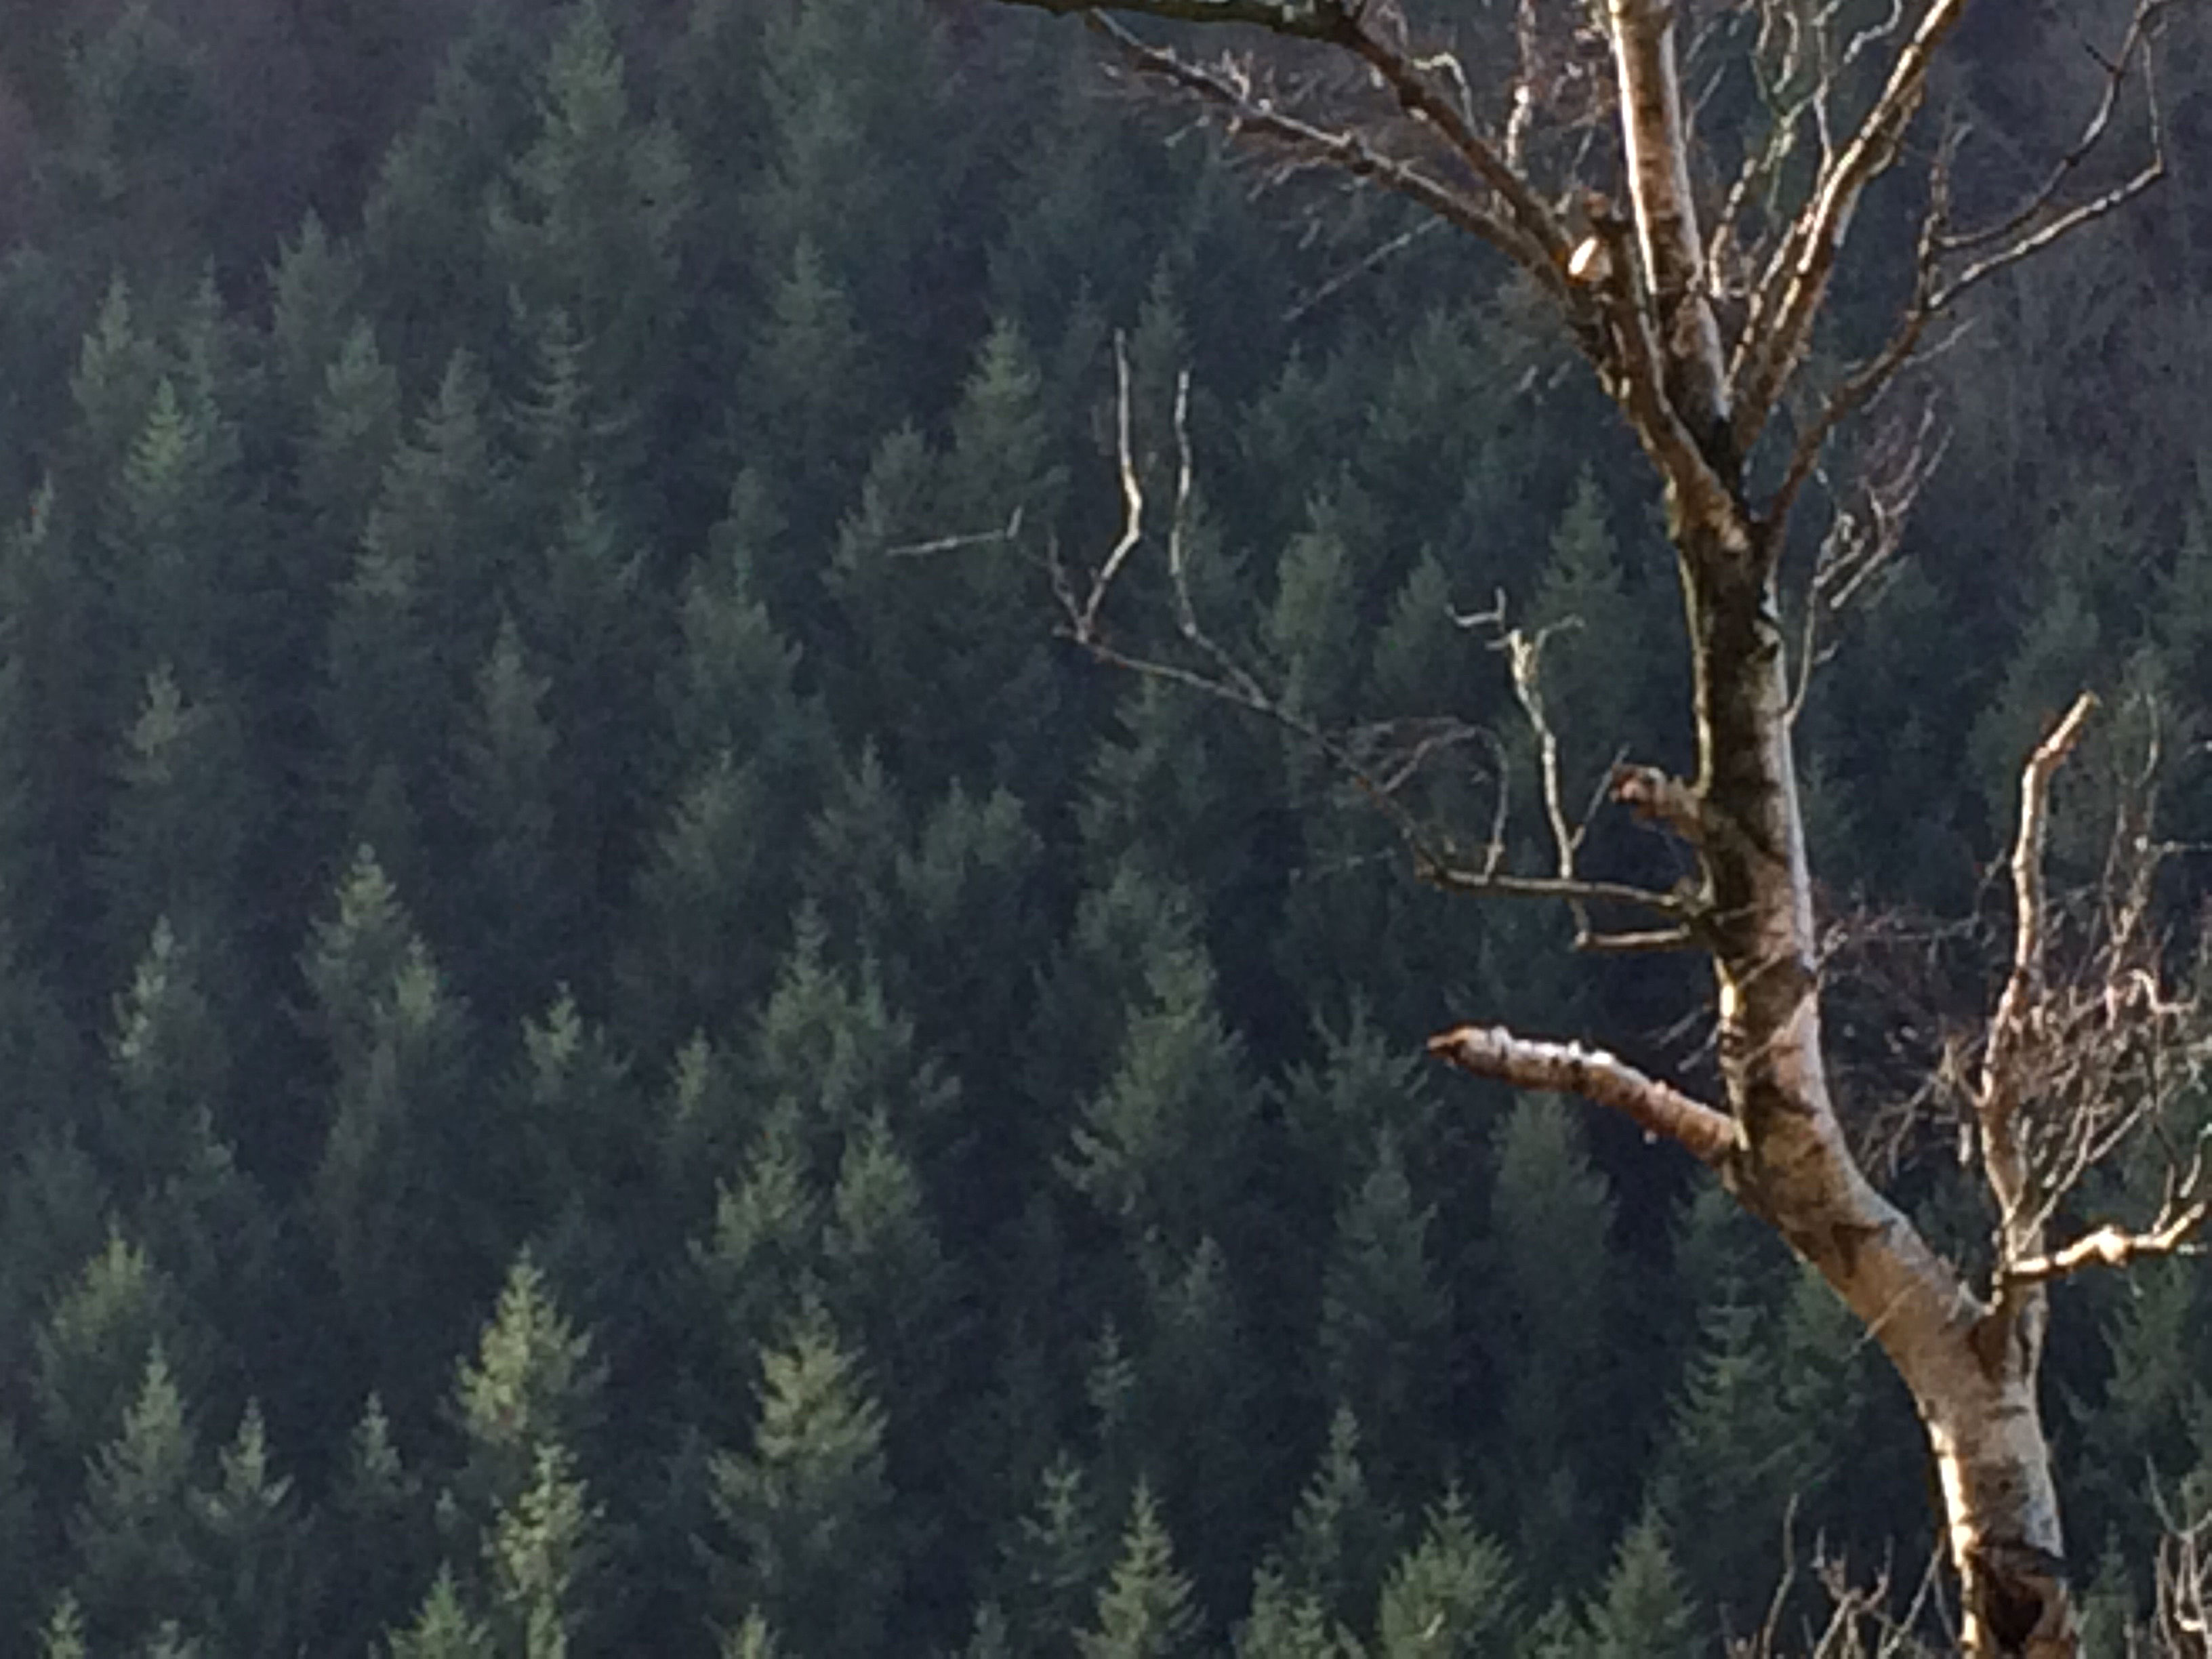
{"x": 131, "y": 1535}
{"x": 444, "y": 1628}
{"x": 1450, "y": 1593}
{"x": 808, "y": 1508}
{"x": 1056, "y": 1560}
{"x": 1644, "y": 1612}
{"x": 1146, "y": 1609}
{"x": 1384, "y": 1319}
{"x": 254, "y": 1550}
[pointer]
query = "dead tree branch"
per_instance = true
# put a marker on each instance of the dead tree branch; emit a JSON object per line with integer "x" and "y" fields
{"x": 1657, "y": 1107}
{"x": 1219, "y": 675}
{"x": 1948, "y": 263}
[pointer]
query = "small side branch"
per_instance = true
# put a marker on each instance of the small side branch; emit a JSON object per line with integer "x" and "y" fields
{"x": 1789, "y": 297}
{"x": 1216, "y": 672}
{"x": 1948, "y": 263}
{"x": 1657, "y": 798}
{"x": 2011, "y": 1031}
{"x": 1603, "y": 1079}
{"x": 1249, "y": 114}
{"x": 2111, "y": 1245}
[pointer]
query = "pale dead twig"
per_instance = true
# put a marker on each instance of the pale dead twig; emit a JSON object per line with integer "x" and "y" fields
{"x": 1219, "y": 675}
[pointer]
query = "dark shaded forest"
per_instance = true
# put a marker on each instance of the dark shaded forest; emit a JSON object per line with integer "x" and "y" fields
{"x": 611, "y": 1046}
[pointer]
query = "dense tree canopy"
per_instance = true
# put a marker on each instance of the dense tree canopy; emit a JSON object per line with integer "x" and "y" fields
{"x": 611, "y": 1048}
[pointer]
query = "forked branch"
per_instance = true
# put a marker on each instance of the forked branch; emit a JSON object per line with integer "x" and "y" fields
{"x": 2111, "y": 1245}
{"x": 1214, "y": 671}
{"x": 1948, "y": 262}
{"x": 2009, "y": 1057}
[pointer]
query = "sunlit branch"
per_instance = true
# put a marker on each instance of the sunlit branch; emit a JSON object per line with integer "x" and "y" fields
{"x": 1657, "y": 1107}
{"x": 2147, "y": 15}
{"x": 2112, "y": 1246}
{"x": 1323, "y": 293}
{"x": 2010, "y": 1029}
{"x": 1249, "y": 114}
{"x": 1779, "y": 326}
{"x": 1777, "y": 329}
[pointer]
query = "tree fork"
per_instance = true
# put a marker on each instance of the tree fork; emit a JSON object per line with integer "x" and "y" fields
{"x": 1638, "y": 299}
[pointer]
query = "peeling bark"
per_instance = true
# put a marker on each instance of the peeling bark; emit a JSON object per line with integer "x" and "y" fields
{"x": 1971, "y": 1369}
{"x": 1792, "y": 1166}
{"x": 1636, "y": 299}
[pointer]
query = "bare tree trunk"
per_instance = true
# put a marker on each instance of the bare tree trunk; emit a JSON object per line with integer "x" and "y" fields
{"x": 1974, "y": 1383}
{"x": 1971, "y": 1370}
{"x": 1637, "y": 298}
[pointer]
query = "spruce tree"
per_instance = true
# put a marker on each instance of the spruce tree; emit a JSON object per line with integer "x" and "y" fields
{"x": 389, "y": 1200}
{"x": 1385, "y": 1322}
{"x": 814, "y": 1547}
{"x": 315, "y": 292}
{"x": 1146, "y": 1609}
{"x": 107, "y": 1325}
{"x": 424, "y": 255}
{"x": 375, "y": 1535}
{"x": 947, "y": 662}
{"x": 1554, "y": 1337}
{"x": 705, "y": 922}
{"x": 588, "y": 225}
{"x": 353, "y": 431}
{"x": 761, "y": 1261}
{"x": 444, "y": 1628}
{"x": 532, "y": 1384}
{"x": 1644, "y": 1610}
{"x": 1451, "y": 1592}
{"x": 1161, "y": 1150}
{"x": 131, "y": 1536}
{"x": 1342, "y": 1536}
{"x": 1055, "y": 1559}
{"x": 21, "y": 1568}
{"x": 1283, "y": 1623}
{"x": 507, "y": 763}
{"x": 253, "y": 1543}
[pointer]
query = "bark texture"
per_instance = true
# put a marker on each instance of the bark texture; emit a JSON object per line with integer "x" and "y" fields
{"x": 1637, "y": 298}
{"x": 1971, "y": 1368}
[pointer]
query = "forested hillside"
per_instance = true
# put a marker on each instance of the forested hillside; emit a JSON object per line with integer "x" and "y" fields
{"x": 610, "y": 1046}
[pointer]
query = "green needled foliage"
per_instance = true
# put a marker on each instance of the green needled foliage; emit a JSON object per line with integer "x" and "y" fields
{"x": 1146, "y": 1609}
{"x": 814, "y": 1543}
{"x": 607, "y": 1043}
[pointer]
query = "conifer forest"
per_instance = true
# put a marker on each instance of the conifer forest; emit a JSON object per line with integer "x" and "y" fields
{"x": 756, "y": 757}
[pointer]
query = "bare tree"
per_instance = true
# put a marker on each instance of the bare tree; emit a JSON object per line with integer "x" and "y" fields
{"x": 1700, "y": 326}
